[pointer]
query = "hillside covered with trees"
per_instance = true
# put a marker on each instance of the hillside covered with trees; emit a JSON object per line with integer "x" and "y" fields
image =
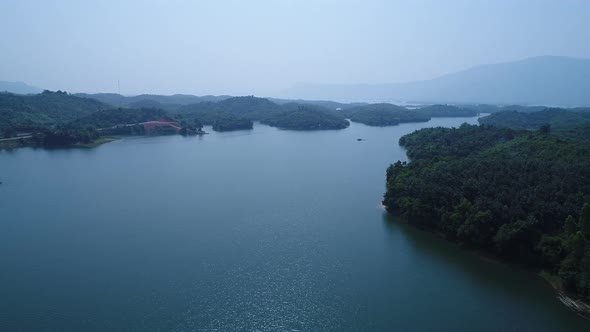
{"x": 522, "y": 195}
{"x": 30, "y": 112}
{"x": 118, "y": 116}
{"x": 306, "y": 117}
{"x": 54, "y": 118}
{"x": 144, "y": 99}
{"x": 229, "y": 122}
{"x": 555, "y": 117}
{"x": 384, "y": 115}
{"x": 249, "y": 107}
{"x": 446, "y": 111}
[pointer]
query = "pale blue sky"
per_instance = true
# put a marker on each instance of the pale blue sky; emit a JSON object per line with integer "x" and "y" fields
{"x": 261, "y": 46}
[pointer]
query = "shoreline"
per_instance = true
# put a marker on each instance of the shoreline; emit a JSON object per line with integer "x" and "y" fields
{"x": 97, "y": 142}
{"x": 26, "y": 142}
{"x": 568, "y": 299}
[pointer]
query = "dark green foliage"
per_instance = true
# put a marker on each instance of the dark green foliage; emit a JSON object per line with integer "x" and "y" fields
{"x": 331, "y": 105}
{"x": 580, "y": 133}
{"x": 306, "y": 117}
{"x": 446, "y": 111}
{"x": 384, "y": 115}
{"x": 570, "y": 226}
{"x": 32, "y": 112}
{"x": 518, "y": 194}
{"x": 65, "y": 136}
{"x": 43, "y": 112}
{"x": 198, "y": 125}
{"x": 521, "y": 108}
{"x": 584, "y": 223}
{"x": 228, "y": 122}
{"x": 249, "y": 107}
{"x": 555, "y": 117}
{"x": 9, "y": 132}
{"x": 388, "y": 114}
{"x": 194, "y": 128}
{"x": 485, "y": 108}
{"x": 453, "y": 142}
{"x": 167, "y": 102}
{"x": 122, "y": 116}
{"x": 204, "y": 112}
{"x": 238, "y": 113}
{"x": 54, "y": 118}
{"x": 149, "y": 103}
{"x": 135, "y": 130}
{"x": 552, "y": 250}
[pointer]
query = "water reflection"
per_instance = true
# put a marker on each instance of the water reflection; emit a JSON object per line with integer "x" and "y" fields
{"x": 522, "y": 289}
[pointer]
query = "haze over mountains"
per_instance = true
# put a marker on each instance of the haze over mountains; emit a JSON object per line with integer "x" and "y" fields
{"x": 18, "y": 87}
{"x": 544, "y": 80}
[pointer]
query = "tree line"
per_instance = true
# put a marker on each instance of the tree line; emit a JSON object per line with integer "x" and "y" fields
{"x": 522, "y": 195}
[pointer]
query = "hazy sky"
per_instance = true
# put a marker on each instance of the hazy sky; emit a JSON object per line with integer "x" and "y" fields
{"x": 262, "y": 47}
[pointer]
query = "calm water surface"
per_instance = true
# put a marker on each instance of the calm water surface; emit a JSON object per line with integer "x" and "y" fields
{"x": 266, "y": 230}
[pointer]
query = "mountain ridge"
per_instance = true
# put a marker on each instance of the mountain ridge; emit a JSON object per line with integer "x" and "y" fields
{"x": 547, "y": 80}
{"x": 18, "y": 87}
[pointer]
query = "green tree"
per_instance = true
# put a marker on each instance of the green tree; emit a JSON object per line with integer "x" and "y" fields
{"x": 570, "y": 226}
{"x": 198, "y": 124}
{"x": 9, "y": 132}
{"x": 576, "y": 244}
{"x": 585, "y": 220}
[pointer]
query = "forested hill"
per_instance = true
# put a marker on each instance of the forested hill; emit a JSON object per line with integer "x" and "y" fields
{"x": 287, "y": 116}
{"x": 174, "y": 102}
{"x": 447, "y": 111}
{"x": 306, "y": 117}
{"x": 555, "y": 117}
{"x": 127, "y": 101}
{"x": 67, "y": 114}
{"x": 117, "y": 116}
{"x": 248, "y": 107}
{"x": 384, "y": 114}
{"x": 26, "y": 112}
{"x": 522, "y": 195}
{"x": 333, "y": 105}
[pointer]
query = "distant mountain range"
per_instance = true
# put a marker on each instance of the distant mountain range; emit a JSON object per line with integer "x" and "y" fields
{"x": 151, "y": 101}
{"x": 545, "y": 80}
{"x": 18, "y": 87}
{"x": 174, "y": 102}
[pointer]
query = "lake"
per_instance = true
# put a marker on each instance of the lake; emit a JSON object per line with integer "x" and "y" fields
{"x": 260, "y": 230}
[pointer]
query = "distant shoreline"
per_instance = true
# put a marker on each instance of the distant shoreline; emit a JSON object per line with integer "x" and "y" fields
{"x": 27, "y": 142}
{"x": 97, "y": 142}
